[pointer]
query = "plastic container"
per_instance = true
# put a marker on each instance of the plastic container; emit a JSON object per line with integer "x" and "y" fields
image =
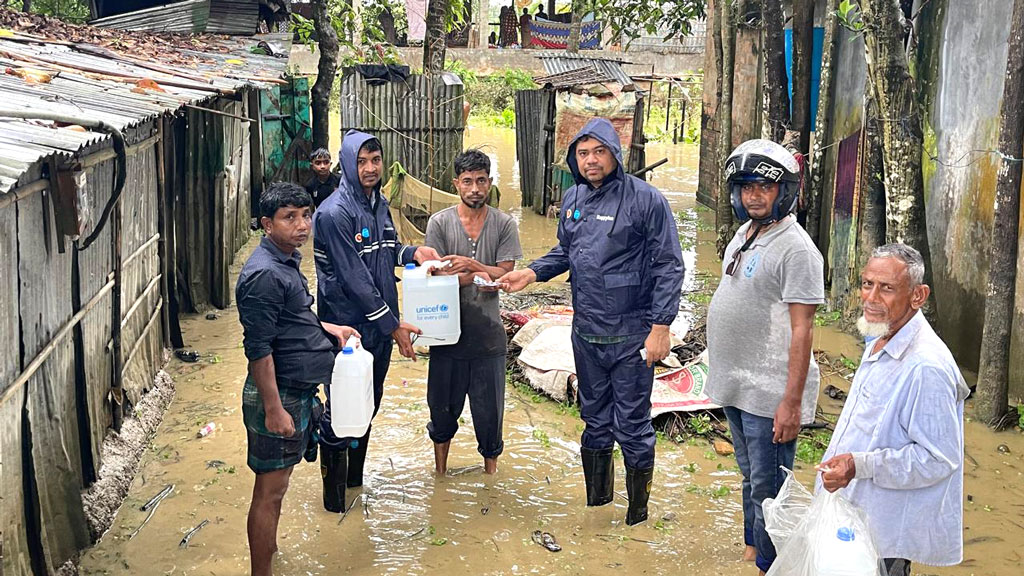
{"x": 843, "y": 552}
{"x": 206, "y": 430}
{"x": 352, "y": 391}
{"x": 431, "y": 303}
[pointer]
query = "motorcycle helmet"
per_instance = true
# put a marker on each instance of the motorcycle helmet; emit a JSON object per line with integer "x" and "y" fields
{"x": 763, "y": 161}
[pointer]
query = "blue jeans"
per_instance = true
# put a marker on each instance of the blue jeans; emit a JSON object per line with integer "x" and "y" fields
{"x": 759, "y": 460}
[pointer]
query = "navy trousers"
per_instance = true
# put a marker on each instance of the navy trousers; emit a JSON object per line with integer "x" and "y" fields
{"x": 380, "y": 346}
{"x": 615, "y": 398}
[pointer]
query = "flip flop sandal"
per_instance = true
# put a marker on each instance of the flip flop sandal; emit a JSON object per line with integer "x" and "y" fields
{"x": 546, "y": 540}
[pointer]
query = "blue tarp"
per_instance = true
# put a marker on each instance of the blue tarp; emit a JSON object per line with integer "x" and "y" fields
{"x": 819, "y": 39}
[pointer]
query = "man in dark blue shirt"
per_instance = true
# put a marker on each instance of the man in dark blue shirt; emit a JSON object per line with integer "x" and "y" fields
{"x": 290, "y": 354}
{"x": 357, "y": 249}
{"x": 323, "y": 182}
{"x": 618, "y": 240}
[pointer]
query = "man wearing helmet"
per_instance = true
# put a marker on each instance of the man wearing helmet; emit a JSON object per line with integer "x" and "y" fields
{"x": 760, "y": 324}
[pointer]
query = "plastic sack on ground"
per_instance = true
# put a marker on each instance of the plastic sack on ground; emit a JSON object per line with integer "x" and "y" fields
{"x": 832, "y": 540}
{"x": 784, "y": 513}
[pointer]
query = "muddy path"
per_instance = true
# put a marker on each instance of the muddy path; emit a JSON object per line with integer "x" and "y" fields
{"x": 407, "y": 521}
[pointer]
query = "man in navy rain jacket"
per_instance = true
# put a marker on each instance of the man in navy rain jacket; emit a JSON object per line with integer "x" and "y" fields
{"x": 618, "y": 240}
{"x": 357, "y": 249}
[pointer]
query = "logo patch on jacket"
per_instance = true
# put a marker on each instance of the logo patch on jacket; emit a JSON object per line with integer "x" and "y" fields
{"x": 359, "y": 237}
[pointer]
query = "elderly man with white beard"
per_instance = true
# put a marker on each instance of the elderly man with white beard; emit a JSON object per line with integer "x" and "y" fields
{"x": 897, "y": 451}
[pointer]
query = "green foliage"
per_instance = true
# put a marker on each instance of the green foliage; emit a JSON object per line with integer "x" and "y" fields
{"x": 542, "y": 437}
{"x": 848, "y": 363}
{"x": 700, "y": 424}
{"x": 849, "y": 15}
{"x": 811, "y": 445}
{"x": 629, "y": 19}
{"x": 826, "y": 318}
{"x": 76, "y": 11}
{"x": 1020, "y": 416}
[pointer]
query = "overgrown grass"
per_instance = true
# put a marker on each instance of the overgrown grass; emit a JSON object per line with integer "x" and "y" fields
{"x": 492, "y": 98}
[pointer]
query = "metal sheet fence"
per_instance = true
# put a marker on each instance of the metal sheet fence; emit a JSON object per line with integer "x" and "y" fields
{"x": 419, "y": 121}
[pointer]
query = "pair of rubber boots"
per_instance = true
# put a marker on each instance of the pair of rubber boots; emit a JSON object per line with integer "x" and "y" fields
{"x": 341, "y": 468}
{"x": 599, "y": 473}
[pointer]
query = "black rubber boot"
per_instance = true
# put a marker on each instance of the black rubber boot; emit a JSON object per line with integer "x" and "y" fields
{"x": 333, "y": 470}
{"x": 638, "y": 487}
{"x": 356, "y": 459}
{"x": 599, "y": 475}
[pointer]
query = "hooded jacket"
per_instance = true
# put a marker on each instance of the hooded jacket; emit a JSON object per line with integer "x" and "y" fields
{"x": 356, "y": 250}
{"x": 620, "y": 244}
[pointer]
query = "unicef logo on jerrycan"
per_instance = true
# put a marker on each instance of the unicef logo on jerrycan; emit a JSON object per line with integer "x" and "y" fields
{"x": 432, "y": 304}
{"x": 436, "y": 311}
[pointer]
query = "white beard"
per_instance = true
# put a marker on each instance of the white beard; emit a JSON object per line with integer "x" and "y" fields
{"x": 872, "y": 329}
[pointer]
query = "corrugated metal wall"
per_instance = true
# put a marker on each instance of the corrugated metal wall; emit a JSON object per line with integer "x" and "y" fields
{"x": 533, "y": 115}
{"x": 418, "y": 121}
{"x": 63, "y": 410}
{"x": 534, "y": 124}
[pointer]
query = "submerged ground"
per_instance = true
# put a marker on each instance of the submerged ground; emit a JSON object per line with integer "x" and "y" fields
{"x": 407, "y": 521}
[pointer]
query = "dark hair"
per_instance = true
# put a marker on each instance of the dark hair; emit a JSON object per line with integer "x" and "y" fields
{"x": 281, "y": 194}
{"x": 472, "y": 160}
{"x": 371, "y": 145}
{"x": 320, "y": 153}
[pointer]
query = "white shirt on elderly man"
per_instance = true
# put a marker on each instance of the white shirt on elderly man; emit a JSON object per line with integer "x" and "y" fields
{"x": 903, "y": 423}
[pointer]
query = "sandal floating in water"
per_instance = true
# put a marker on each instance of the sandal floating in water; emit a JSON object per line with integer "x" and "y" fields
{"x": 546, "y": 540}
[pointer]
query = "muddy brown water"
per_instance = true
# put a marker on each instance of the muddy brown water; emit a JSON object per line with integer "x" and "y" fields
{"x": 407, "y": 521}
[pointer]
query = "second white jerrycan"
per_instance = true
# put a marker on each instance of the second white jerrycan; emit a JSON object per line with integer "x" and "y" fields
{"x": 352, "y": 390}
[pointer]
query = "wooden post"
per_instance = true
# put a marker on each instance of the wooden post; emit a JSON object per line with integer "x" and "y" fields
{"x": 117, "y": 381}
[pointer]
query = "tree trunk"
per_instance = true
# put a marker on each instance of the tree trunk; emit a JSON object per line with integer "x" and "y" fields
{"x": 434, "y": 44}
{"x": 902, "y": 136}
{"x": 709, "y": 174}
{"x": 993, "y": 374}
{"x": 803, "y": 45}
{"x": 776, "y": 79}
{"x": 320, "y": 94}
{"x": 26, "y": 5}
{"x": 573, "y": 45}
{"x": 871, "y": 215}
{"x": 822, "y": 124}
{"x": 723, "y": 215}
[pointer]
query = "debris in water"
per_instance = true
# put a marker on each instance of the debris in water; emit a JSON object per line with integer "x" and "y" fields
{"x": 1003, "y": 448}
{"x": 350, "y": 507}
{"x": 834, "y": 393}
{"x": 465, "y": 470}
{"x": 188, "y": 535}
{"x": 669, "y": 516}
{"x": 723, "y": 448}
{"x": 485, "y": 510}
{"x": 212, "y": 316}
{"x": 206, "y": 431}
{"x": 218, "y": 464}
{"x": 546, "y": 540}
{"x": 187, "y": 355}
{"x": 156, "y": 499}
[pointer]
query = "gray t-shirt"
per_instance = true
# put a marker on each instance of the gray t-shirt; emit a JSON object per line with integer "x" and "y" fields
{"x": 749, "y": 330}
{"x": 482, "y": 332}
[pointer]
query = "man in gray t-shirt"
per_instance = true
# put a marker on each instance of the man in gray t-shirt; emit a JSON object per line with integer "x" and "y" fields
{"x": 760, "y": 324}
{"x": 479, "y": 241}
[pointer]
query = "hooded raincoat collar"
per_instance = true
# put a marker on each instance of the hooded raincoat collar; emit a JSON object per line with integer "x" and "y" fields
{"x": 348, "y": 161}
{"x": 603, "y": 131}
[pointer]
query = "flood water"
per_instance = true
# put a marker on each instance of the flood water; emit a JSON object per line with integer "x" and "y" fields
{"x": 407, "y": 521}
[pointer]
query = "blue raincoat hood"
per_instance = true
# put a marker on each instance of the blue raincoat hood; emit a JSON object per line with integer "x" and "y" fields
{"x": 602, "y": 130}
{"x": 348, "y": 157}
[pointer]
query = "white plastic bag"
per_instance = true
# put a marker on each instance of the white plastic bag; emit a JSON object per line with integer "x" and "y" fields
{"x": 832, "y": 540}
{"x": 784, "y": 513}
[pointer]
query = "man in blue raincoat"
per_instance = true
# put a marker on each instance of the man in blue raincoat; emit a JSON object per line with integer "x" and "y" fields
{"x": 356, "y": 249}
{"x": 618, "y": 240}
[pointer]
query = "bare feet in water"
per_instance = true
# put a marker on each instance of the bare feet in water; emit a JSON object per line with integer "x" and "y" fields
{"x": 490, "y": 465}
{"x": 749, "y": 554}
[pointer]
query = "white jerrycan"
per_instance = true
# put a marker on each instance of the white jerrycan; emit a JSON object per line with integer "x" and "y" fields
{"x": 352, "y": 390}
{"x": 431, "y": 303}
